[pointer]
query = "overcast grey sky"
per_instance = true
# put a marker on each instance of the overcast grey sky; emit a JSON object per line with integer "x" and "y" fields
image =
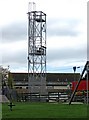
{"x": 66, "y": 33}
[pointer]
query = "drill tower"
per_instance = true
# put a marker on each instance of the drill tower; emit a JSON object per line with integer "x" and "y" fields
{"x": 37, "y": 52}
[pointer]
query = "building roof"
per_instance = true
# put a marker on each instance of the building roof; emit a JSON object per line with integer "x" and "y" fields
{"x": 51, "y": 77}
{"x": 62, "y": 77}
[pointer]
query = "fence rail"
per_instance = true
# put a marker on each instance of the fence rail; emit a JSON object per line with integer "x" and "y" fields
{"x": 58, "y": 97}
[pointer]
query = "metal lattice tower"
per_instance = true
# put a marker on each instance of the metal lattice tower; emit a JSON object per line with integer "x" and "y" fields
{"x": 37, "y": 52}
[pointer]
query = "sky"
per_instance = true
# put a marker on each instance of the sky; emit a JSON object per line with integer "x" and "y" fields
{"x": 66, "y": 34}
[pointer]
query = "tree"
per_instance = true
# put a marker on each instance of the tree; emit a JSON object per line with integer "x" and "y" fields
{"x": 10, "y": 81}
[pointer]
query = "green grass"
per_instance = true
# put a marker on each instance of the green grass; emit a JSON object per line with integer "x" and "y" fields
{"x": 44, "y": 110}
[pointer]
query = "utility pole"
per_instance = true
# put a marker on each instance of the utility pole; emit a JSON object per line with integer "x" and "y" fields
{"x": 74, "y": 68}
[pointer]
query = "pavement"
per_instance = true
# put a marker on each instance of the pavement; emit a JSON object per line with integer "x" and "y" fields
{"x": 74, "y": 103}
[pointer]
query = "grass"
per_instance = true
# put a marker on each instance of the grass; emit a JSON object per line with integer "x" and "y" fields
{"x": 44, "y": 110}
